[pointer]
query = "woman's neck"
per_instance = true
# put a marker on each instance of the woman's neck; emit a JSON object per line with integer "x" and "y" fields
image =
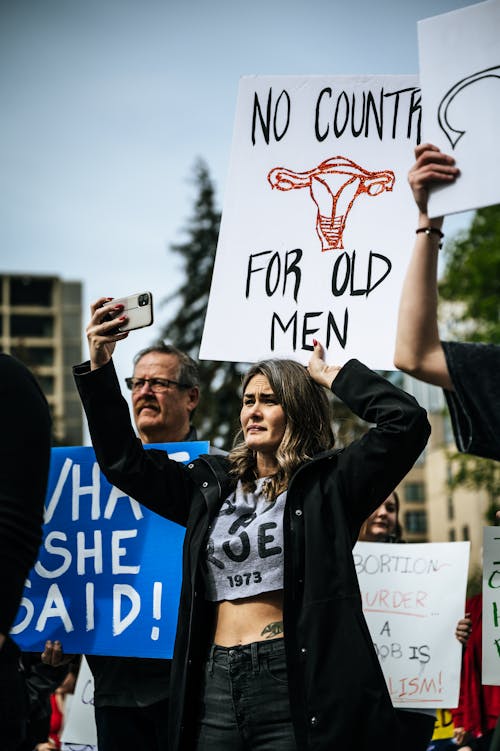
{"x": 266, "y": 465}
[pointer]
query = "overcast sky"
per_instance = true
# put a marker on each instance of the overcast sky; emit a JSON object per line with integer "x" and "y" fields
{"x": 106, "y": 104}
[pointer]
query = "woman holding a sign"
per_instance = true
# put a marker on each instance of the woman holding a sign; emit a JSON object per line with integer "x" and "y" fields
{"x": 272, "y": 650}
{"x": 383, "y": 525}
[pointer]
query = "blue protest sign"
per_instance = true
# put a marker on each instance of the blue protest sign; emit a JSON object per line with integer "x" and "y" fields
{"x": 107, "y": 579}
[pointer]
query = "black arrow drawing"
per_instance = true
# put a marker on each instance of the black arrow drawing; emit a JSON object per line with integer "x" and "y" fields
{"x": 454, "y": 134}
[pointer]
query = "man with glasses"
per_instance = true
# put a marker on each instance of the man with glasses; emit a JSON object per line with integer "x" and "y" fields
{"x": 131, "y": 694}
{"x": 165, "y": 393}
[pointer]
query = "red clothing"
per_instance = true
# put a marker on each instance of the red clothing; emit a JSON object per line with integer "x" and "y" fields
{"x": 56, "y": 720}
{"x": 479, "y": 706}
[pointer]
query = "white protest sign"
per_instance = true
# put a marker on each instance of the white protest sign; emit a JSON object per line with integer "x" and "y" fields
{"x": 460, "y": 79}
{"x": 318, "y": 219}
{"x": 79, "y": 724}
{"x": 491, "y": 606}
{"x": 413, "y": 596}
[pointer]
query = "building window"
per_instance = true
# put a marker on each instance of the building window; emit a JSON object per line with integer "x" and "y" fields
{"x": 415, "y": 522}
{"x": 465, "y": 532}
{"x": 35, "y": 356}
{"x": 26, "y": 291}
{"x": 414, "y": 492}
{"x": 451, "y": 508}
{"x": 46, "y": 384}
{"x": 451, "y": 535}
{"x": 35, "y": 326}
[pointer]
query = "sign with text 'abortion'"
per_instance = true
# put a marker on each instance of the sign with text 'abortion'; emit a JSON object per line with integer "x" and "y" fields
{"x": 318, "y": 219}
{"x": 491, "y": 606}
{"x": 413, "y": 596}
{"x": 107, "y": 579}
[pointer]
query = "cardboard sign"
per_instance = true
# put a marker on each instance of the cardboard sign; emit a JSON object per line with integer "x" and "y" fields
{"x": 107, "y": 580}
{"x": 318, "y": 219}
{"x": 79, "y": 733}
{"x": 460, "y": 78}
{"x": 491, "y": 606}
{"x": 413, "y": 596}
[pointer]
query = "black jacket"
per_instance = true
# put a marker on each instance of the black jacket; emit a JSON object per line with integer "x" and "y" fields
{"x": 337, "y": 691}
{"x": 24, "y": 466}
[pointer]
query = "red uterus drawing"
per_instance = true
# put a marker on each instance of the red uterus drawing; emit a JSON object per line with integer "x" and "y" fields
{"x": 334, "y": 185}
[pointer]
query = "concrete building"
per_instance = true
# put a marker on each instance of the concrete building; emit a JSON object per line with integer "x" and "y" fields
{"x": 41, "y": 324}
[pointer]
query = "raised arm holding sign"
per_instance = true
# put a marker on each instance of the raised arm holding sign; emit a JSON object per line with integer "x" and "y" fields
{"x": 469, "y": 373}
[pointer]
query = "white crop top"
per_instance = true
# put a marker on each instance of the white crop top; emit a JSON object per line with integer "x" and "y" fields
{"x": 244, "y": 554}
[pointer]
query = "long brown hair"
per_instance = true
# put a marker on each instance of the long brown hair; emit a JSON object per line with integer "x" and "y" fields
{"x": 307, "y": 432}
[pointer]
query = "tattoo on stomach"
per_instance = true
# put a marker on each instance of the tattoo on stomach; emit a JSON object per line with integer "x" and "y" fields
{"x": 272, "y": 629}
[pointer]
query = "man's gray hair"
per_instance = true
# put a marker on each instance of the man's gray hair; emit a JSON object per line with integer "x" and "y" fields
{"x": 188, "y": 369}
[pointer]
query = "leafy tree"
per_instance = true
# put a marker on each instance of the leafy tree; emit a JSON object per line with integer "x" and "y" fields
{"x": 217, "y": 412}
{"x": 477, "y": 473}
{"x": 472, "y": 277}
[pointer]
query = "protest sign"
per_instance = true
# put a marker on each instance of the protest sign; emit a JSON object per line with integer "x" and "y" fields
{"x": 107, "y": 579}
{"x": 491, "y": 606}
{"x": 443, "y": 727}
{"x": 318, "y": 219}
{"x": 413, "y": 596}
{"x": 79, "y": 724}
{"x": 460, "y": 78}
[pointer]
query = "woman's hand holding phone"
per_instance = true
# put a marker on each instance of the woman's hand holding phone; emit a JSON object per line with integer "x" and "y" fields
{"x": 111, "y": 321}
{"x": 102, "y": 333}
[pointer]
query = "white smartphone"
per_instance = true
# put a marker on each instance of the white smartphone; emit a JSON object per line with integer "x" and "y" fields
{"x": 138, "y": 308}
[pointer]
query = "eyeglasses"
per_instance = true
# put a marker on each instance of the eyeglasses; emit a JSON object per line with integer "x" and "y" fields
{"x": 156, "y": 385}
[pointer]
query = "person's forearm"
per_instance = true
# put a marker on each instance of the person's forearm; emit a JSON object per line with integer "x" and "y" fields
{"x": 418, "y": 347}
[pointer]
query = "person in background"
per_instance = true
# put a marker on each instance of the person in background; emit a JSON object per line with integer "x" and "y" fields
{"x": 24, "y": 464}
{"x": 131, "y": 694}
{"x": 272, "y": 650}
{"x": 43, "y": 673}
{"x": 479, "y": 705}
{"x": 383, "y": 525}
{"x": 469, "y": 373}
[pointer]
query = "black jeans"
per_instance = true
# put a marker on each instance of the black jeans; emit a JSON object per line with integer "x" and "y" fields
{"x": 144, "y": 728}
{"x": 244, "y": 701}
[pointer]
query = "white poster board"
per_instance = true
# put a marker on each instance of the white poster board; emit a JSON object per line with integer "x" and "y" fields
{"x": 460, "y": 78}
{"x": 79, "y": 723}
{"x": 318, "y": 219}
{"x": 491, "y": 606}
{"x": 413, "y": 596}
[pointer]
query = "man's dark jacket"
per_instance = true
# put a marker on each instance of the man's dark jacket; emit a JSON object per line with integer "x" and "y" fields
{"x": 338, "y": 695}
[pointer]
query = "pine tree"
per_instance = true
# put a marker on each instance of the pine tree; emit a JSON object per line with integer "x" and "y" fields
{"x": 217, "y": 414}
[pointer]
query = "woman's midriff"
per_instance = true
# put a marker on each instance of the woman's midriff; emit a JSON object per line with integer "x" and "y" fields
{"x": 249, "y": 619}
